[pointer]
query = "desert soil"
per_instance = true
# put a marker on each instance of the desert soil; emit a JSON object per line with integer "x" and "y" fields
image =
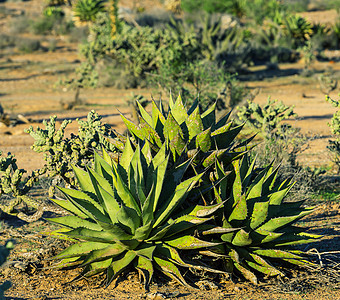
{"x": 28, "y": 88}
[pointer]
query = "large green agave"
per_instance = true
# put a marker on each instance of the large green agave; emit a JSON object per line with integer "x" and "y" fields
{"x": 255, "y": 205}
{"x": 187, "y": 131}
{"x": 127, "y": 214}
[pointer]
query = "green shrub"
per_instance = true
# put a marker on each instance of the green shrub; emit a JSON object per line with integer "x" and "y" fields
{"x": 28, "y": 45}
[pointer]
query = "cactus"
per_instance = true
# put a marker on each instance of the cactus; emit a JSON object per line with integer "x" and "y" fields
{"x": 267, "y": 119}
{"x": 255, "y": 205}
{"x": 128, "y": 214}
{"x": 59, "y": 154}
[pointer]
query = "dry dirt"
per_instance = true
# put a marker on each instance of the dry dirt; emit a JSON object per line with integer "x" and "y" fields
{"x": 28, "y": 88}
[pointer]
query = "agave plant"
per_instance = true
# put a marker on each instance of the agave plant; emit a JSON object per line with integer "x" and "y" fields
{"x": 85, "y": 11}
{"x": 127, "y": 214}
{"x": 188, "y": 131}
{"x": 255, "y": 205}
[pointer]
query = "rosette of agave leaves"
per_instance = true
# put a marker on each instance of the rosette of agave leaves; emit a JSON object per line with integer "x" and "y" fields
{"x": 187, "y": 133}
{"x": 267, "y": 232}
{"x": 127, "y": 214}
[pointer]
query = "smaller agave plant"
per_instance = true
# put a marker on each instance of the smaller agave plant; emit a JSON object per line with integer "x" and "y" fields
{"x": 266, "y": 231}
{"x": 187, "y": 131}
{"x": 127, "y": 214}
{"x": 85, "y": 11}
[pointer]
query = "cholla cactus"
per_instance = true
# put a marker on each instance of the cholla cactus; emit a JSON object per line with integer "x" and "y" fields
{"x": 267, "y": 119}
{"x": 60, "y": 152}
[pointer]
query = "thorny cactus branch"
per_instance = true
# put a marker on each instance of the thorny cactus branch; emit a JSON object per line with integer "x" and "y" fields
{"x": 60, "y": 154}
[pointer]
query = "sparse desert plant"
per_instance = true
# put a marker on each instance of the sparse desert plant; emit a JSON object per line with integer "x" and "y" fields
{"x": 128, "y": 215}
{"x": 334, "y": 145}
{"x": 28, "y": 45}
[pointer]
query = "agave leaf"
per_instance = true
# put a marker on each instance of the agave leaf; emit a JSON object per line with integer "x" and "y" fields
{"x": 170, "y": 269}
{"x": 218, "y": 230}
{"x": 203, "y": 140}
{"x": 150, "y": 134}
{"x": 119, "y": 265}
{"x": 144, "y": 113}
{"x": 189, "y": 242}
{"x": 223, "y": 140}
{"x": 143, "y": 232}
{"x": 263, "y": 236}
{"x": 171, "y": 128}
{"x": 129, "y": 218}
{"x": 281, "y": 222}
{"x": 269, "y": 182}
{"x": 159, "y": 181}
{"x": 246, "y": 273}
{"x": 204, "y": 211}
{"x": 177, "y": 144}
{"x": 86, "y": 204}
{"x": 126, "y": 155}
{"x": 124, "y": 193}
{"x": 74, "y": 222}
{"x": 290, "y": 239}
{"x": 102, "y": 168}
{"x": 184, "y": 223}
{"x": 158, "y": 120}
{"x": 194, "y": 124}
{"x": 146, "y": 251}
{"x": 80, "y": 249}
{"x": 159, "y": 232}
{"x": 222, "y": 121}
{"x": 59, "y": 234}
{"x": 83, "y": 179}
{"x": 95, "y": 268}
{"x": 259, "y": 213}
{"x": 102, "y": 254}
{"x": 255, "y": 190}
{"x": 98, "y": 236}
{"x": 133, "y": 128}
{"x": 178, "y": 111}
{"x": 67, "y": 205}
{"x": 242, "y": 238}
{"x": 175, "y": 199}
{"x": 259, "y": 264}
{"x": 67, "y": 263}
{"x": 276, "y": 253}
{"x": 173, "y": 255}
{"x": 277, "y": 197}
{"x": 107, "y": 157}
{"x": 209, "y": 117}
{"x": 145, "y": 267}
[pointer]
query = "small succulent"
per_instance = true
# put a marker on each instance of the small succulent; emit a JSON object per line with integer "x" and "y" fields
{"x": 255, "y": 205}
{"x": 128, "y": 214}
